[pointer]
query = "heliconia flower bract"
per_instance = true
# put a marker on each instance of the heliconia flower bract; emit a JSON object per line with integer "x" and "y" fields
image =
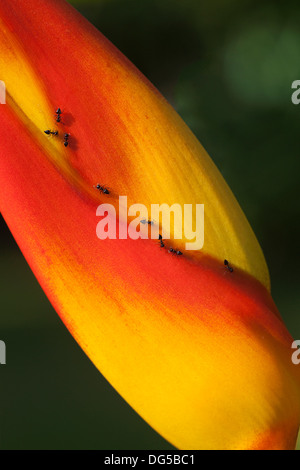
{"x": 200, "y": 353}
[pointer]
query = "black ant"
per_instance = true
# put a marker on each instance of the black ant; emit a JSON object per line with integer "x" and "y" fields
{"x": 66, "y": 140}
{"x": 58, "y": 113}
{"x": 48, "y": 132}
{"x": 161, "y": 241}
{"x": 226, "y": 263}
{"x": 145, "y": 221}
{"x": 175, "y": 252}
{"x": 102, "y": 189}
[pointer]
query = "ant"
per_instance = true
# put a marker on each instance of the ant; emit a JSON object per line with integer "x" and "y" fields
{"x": 58, "y": 113}
{"x": 226, "y": 263}
{"x": 145, "y": 221}
{"x": 161, "y": 241}
{"x": 176, "y": 252}
{"x": 51, "y": 132}
{"x": 66, "y": 139}
{"x": 102, "y": 189}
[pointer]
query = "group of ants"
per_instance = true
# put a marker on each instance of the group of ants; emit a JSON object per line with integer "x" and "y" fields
{"x": 58, "y": 114}
{"x": 102, "y": 189}
{"x": 177, "y": 252}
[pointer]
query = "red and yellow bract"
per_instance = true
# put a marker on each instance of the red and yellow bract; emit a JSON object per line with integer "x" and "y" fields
{"x": 202, "y": 355}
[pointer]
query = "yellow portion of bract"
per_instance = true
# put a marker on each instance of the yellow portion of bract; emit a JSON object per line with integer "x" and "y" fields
{"x": 25, "y": 91}
{"x": 202, "y": 379}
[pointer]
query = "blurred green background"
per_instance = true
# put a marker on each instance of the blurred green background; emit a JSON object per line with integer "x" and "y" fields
{"x": 227, "y": 67}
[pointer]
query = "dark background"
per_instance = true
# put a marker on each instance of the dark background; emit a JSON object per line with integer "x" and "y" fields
{"x": 227, "y": 67}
